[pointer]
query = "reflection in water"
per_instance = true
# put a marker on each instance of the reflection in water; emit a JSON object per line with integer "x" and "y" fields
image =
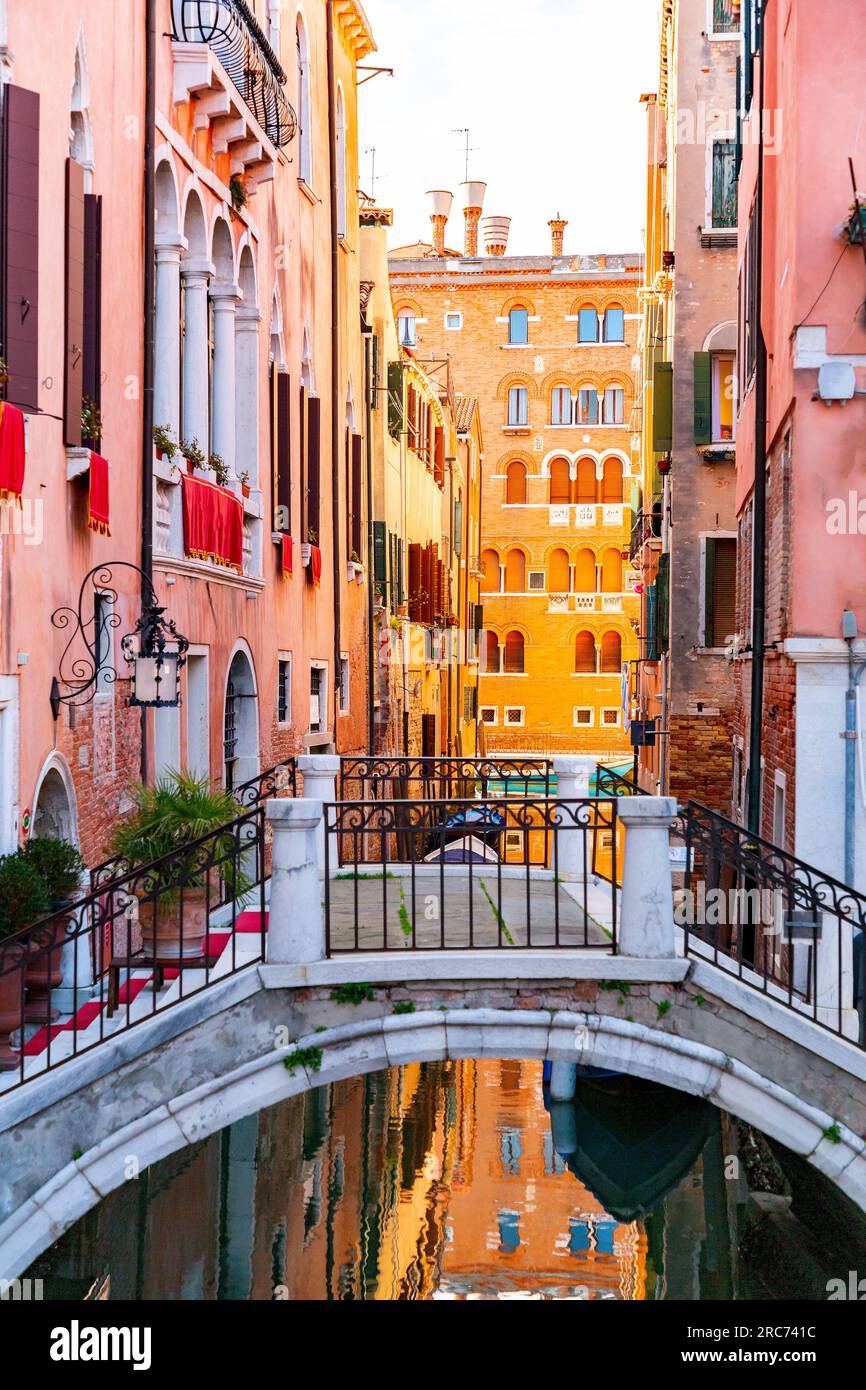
{"x": 440, "y": 1180}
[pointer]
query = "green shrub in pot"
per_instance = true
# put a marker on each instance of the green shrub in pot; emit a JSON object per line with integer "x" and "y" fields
{"x": 23, "y": 894}
{"x": 60, "y": 865}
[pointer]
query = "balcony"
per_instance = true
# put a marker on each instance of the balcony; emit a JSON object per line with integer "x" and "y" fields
{"x": 647, "y": 528}
{"x": 224, "y": 64}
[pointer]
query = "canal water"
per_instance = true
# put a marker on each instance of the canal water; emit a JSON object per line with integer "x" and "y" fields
{"x": 459, "y": 1180}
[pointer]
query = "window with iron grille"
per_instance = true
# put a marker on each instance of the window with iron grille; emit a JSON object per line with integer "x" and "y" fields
{"x": 284, "y": 690}
{"x": 470, "y": 703}
{"x": 230, "y": 739}
{"x": 344, "y": 684}
{"x": 489, "y": 715}
{"x": 514, "y": 717}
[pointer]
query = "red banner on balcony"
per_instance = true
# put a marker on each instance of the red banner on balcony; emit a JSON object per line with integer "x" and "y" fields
{"x": 98, "y": 510}
{"x": 287, "y": 555}
{"x": 316, "y": 564}
{"x": 213, "y": 523}
{"x": 11, "y": 452}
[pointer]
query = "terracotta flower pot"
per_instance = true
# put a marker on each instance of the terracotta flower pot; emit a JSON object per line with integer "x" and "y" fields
{"x": 164, "y": 939}
{"x": 45, "y": 970}
{"x": 245, "y": 489}
{"x": 10, "y": 1012}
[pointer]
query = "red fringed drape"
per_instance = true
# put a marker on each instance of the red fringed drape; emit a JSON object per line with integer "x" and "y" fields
{"x": 287, "y": 555}
{"x": 213, "y": 523}
{"x": 316, "y": 564}
{"x": 11, "y": 452}
{"x": 98, "y": 513}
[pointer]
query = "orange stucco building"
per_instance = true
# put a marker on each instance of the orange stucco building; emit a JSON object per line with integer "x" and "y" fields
{"x": 547, "y": 345}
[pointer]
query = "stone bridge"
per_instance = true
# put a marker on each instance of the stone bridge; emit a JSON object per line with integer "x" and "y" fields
{"x": 71, "y": 1136}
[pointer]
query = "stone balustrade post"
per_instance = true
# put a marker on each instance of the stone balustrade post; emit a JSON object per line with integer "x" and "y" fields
{"x": 573, "y": 849}
{"x": 296, "y": 925}
{"x": 320, "y": 772}
{"x": 646, "y": 919}
{"x": 834, "y": 976}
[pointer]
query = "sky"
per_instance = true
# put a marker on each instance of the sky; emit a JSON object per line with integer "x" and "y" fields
{"x": 549, "y": 90}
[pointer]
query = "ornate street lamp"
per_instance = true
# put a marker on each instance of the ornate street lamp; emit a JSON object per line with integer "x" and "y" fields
{"x": 155, "y": 651}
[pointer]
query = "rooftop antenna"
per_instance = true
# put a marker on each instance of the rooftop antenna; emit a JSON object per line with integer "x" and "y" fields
{"x": 468, "y": 149}
{"x": 372, "y": 152}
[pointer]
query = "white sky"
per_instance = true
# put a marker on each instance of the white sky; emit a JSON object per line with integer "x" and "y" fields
{"x": 550, "y": 91}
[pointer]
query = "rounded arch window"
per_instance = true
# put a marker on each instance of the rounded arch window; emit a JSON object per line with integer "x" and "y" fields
{"x": 584, "y": 653}
{"x": 587, "y": 324}
{"x": 587, "y": 482}
{"x": 611, "y": 486}
{"x": 515, "y": 572}
{"x": 611, "y": 572}
{"x": 514, "y": 653}
{"x": 560, "y": 483}
{"x": 559, "y": 578}
{"x": 585, "y": 574}
{"x": 515, "y": 484}
{"x": 518, "y": 326}
{"x": 614, "y": 324}
{"x": 611, "y": 654}
{"x": 492, "y": 580}
{"x": 490, "y": 654}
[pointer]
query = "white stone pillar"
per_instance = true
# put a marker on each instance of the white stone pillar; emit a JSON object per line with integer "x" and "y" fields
{"x": 225, "y": 299}
{"x": 834, "y": 970}
{"x": 247, "y": 322}
{"x": 320, "y": 772}
{"x": 196, "y": 275}
{"x": 563, "y": 1081}
{"x": 572, "y": 842}
{"x": 296, "y": 923}
{"x": 166, "y": 386}
{"x": 646, "y": 918}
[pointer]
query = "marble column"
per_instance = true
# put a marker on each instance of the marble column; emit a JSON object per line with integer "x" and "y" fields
{"x": 247, "y": 320}
{"x": 225, "y": 298}
{"x": 166, "y": 394}
{"x": 196, "y": 277}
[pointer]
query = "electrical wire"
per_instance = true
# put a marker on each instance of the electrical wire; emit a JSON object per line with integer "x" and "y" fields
{"x": 804, "y": 322}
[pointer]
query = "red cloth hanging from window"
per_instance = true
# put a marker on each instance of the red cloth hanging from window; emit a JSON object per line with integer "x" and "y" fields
{"x": 287, "y": 555}
{"x": 11, "y": 452}
{"x": 213, "y": 523}
{"x": 316, "y": 563}
{"x": 98, "y": 512}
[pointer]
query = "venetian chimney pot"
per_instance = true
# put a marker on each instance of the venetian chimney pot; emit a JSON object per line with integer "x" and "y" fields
{"x": 496, "y": 231}
{"x": 473, "y": 203}
{"x": 557, "y": 227}
{"x": 439, "y": 201}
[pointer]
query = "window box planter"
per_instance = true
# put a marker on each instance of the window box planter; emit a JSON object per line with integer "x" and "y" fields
{"x": 306, "y": 554}
{"x": 355, "y": 572}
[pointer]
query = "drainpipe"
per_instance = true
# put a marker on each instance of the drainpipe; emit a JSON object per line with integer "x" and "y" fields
{"x": 336, "y": 433}
{"x": 855, "y": 672}
{"x": 759, "y": 510}
{"x": 371, "y": 662}
{"x": 149, "y": 322}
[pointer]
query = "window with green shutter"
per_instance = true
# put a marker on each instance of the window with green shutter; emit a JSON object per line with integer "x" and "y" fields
{"x": 663, "y": 603}
{"x": 663, "y": 407}
{"x": 720, "y": 590}
{"x": 395, "y": 399}
{"x": 380, "y": 554}
{"x": 703, "y": 398}
{"x": 652, "y": 651}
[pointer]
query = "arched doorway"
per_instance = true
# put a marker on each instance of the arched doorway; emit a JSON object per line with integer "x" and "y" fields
{"x": 54, "y": 807}
{"x": 240, "y": 724}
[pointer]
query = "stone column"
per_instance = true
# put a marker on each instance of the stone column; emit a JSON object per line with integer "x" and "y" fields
{"x": 572, "y": 847}
{"x": 563, "y": 1081}
{"x": 320, "y": 772}
{"x": 196, "y": 275}
{"x": 296, "y": 925}
{"x": 247, "y": 322}
{"x": 834, "y": 970}
{"x": 225, "y": 298}
{"x": 646, "y": 919}
{"x": 166, "y": 388}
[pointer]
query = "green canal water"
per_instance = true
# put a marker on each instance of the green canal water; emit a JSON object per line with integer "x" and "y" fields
{"x": 458, "y": 1180}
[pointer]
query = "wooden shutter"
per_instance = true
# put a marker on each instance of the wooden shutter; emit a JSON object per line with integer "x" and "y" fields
{"x": 663, "y": 407}
{"x": 427, "y": 584}
{"x": 92, "y": 365}
{"x": 380, "y": 558}
{"x": 357, "y": 497}
{"x": 663, "y": 593}
{"x": 395, "y": 398}
{"x": 428, "y": 735}
{"x": 73, "y": 388}
{"x": 302, "y": 457}
{"x": 415, "y": 582}
{"x": 19, "y": 244}
{"x": 283, "y": 453}
{"x": 439, "y": 466}
{"x": 720, "y": 616}
{"x": 703, "y": 398}
{"x": 314, "y": 465}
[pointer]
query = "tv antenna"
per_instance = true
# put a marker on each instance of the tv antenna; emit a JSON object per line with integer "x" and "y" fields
{"x": 468, "y": 149}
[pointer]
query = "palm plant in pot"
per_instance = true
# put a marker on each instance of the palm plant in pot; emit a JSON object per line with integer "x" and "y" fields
{"x": 61, "y": 867}
{"x": 23, "y": 900}
{"x": 178, "y": 821}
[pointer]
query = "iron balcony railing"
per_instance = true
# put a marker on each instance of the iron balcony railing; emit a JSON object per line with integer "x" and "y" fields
{"x": 402, "y": 778}
{"x": 647, "y": 526}
{"x": 231, "y": 30}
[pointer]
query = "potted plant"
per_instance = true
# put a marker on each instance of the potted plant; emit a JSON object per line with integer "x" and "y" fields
{"x": 173, "y": 897}
{"x": 245, "y": 484}
{"x": 61, "y": 867}
{"x": 356, "y": 568}
{"x": 164, "y": 442}
{"x": 852, "y": 229}
{"x": 23, "y": 900}
{"x": 219, "y": 468}
{"x": 238, "y": 192}
{"x": 192, "y": 452}
{"x": 4, "y": 372}
{"x": 91, "y": 422}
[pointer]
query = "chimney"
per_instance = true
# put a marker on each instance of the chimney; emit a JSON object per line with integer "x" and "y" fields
{"x": 496, "y": 235}
{"x": 557, "y": 231}
{"x": 440, "y": 210}
{"x": 473, "y": 202}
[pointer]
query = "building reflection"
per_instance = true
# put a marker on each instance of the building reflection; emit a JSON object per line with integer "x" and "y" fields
{"x": 439, "y": 1180}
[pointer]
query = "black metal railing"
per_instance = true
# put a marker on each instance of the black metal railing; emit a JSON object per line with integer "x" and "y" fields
{"x": 404, "y": 778}
{"x": 777, "y": 923}
{"x": 612, "y": 783}
{"x": 110, "y": 955}
{"x": 231, "y": 30}
{"x": 483, "y": 873}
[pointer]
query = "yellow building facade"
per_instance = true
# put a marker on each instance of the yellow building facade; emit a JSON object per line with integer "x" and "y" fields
{"x": 547, "y": 344}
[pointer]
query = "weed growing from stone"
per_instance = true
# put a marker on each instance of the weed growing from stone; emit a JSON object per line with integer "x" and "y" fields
{"x": 663, "y": 1009}
{"x": 308, "y": 1057}
{"x": 405, "y": 1006}
{"x": 352, "y": 994}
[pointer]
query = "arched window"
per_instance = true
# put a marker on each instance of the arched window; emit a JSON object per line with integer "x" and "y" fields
{"x": 492, "y": 581}
{"x": 559, "y": 578}
{"x": 614, "y": 324}
{"x": 305, "y": 146}
{"x": 490, "y": 654}
{"x": 515, "y": 572}
{"x": 587, "y": 406}
{"x": 587, "y": 324}
{"x": 514, "y": 654}
{"x": 611, "y": 572}
{"x": 406, "y": 330}
{"x": 584, "y": 653}
{"x": 518, "y": 326}
{"x": 585, "y": 574}
{"x": 518, "y": 405}
{"x": 560, "y": 483}
{"x": 611, "y": 654}
{"x": 614, "y": 406}
{"x": 587, "y": 485}
{"x": 342, "y": 215}
{"x": 611, "y": 486}
{"x": 560, "y": 405}
{"x": 515, "y": 484}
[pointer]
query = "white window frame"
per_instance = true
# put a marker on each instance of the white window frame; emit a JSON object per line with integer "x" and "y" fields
{"x": 407, "y": 315}
{"x": 512, "y": 723}
{"x": 518, "y": 423}
{"x": 566, "y": 416}
{"x": 715, "y": 137}
{"x": 586, "y": 723}
{"x": 345, "y": 684}
{"x": 716, "y": 384}
{"x": 285, "y": 658}
{"x": 321, "y": 666}
{"x": 722, "y": 35}
{"x": 453, "y": 327}
{"x": 603, "y": 411}
{"x": 489, "y": 709}
{"x": 605, "y": 338}
{"x": 536, "y": 588}
{"x": 606, "y": 723}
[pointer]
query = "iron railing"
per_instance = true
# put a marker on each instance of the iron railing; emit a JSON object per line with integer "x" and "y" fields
{"x": 113, "y": 952}
{"x": 483, "y": 873}
{"x": 231, "y": 30}
{"x": 609, "y": 782}
{"x": 403, "y": 778}
{"x": 778, "y": 924}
